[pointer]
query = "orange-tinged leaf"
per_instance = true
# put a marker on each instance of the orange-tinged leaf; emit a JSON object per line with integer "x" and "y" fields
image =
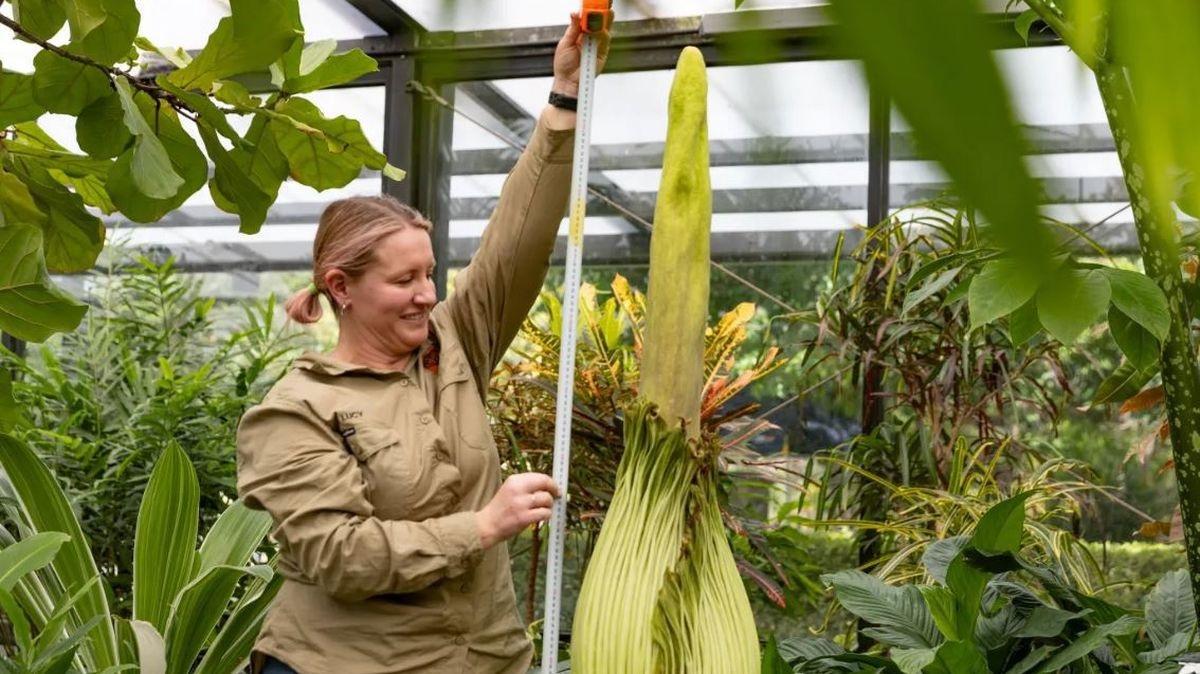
{"x": 1153, "y": 531}
{"x": 1144, "y": 400}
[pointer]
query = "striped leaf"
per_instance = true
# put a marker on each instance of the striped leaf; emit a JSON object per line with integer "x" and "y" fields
{"x": 233, "y": 642}
{"x": 152, "y": 652}
{"x": 235, "y": 536}
{"x": 198, "y": 609}
{"x": 28, "y": 555}
{"x": 46, "y": 508}
{"x": 164, "y": 554}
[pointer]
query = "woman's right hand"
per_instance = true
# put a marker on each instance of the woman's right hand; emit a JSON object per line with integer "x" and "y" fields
{"x": 522, "y": 500}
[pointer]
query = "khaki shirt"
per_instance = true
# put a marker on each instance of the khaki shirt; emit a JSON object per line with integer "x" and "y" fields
{"x": 373, "y": 477}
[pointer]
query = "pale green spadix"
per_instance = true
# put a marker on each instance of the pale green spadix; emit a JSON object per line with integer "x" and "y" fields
{"x": 662, "y": 594}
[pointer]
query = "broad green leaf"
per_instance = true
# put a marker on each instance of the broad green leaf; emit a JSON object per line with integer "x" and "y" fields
{"x": 17, "y": 206}
{"x": 47, "y": 509}
{"x": 1136, "y": 342}
{"x": 1000, "y": 288}
{"x": 1123, "y": 383}
{"x": 1024, "y": 22}
{"x": 930, "y": 288}
{"x": 999, "y": 530}
{"x": 164, "y": 548}
{"x": 967, "y": 584}
{"x": 322, "y": 164}
{"x": 913, "y": 660}
{"x": 337, "y": 69}
{"x": 804, "y": 649}
{"x": 234, "y": 186}
{"x": 197, "y": 611}
{"x": 112, "y": 39}
{"x": 1088, "y": 642}
{"x": 1169, "y": 608}
{"x": 940, "y": 601}
{"x": 16, "y": 98}
{"x": 31, "y": 308}
{"x": 313, "y": 55}
{"x": 939, "y": 554}
{"x": 235, "y": 536}
{"x": 1072, "y": 301}
{"x": 256, "y": 34}
{"x": 149, "y": 164}
{"x": 72, "y": 237}
{"x": 28, "y": 555}
{"x": 900, "y": 612}
{"x": 260, "y": 159}
{"x": 84, "y": 16}
{"x": 152, "y": 652}
{"x": 1023, "y": 324}
{"x": 1175, "y": 645}
{"x": 204, "y": 106}
{"x": 772, "y": 661}
{"x": 980, "y": 148}
{"x": 186, "y": 159}
{"x": 1047, "y": 622}
{"x": 234, "y": 93}
{"x": 66, "y": 86}
{"x": 957, "y": 657}
{"x": 176, "y": 56}
{"x": 1140, "y": 299}
{"x": 43, "y": 18}
{"x": 237, "y": 635}
{"x": 89, "y": 188}
{"x": 19, "y": 624}
{"x": 57, "y": 658}
{"x": 100, "y": 129}
{"x": 1033, "y": 659}
{"x": 34, "y": 146}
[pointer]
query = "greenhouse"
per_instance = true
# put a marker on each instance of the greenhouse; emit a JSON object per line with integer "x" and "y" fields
{"x": 784, "y": 336}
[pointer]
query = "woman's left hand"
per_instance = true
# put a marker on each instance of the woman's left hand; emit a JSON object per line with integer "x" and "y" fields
{"x": 568, "y": 57}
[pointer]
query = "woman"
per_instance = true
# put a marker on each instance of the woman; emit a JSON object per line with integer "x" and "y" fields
{"x": 376, "y": 461}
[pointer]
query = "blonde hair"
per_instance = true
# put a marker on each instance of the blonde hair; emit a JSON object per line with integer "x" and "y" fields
{"x": 347, "y": 236}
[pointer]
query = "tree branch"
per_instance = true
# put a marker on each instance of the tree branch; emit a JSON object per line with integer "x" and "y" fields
{"x": 149, "y": 89}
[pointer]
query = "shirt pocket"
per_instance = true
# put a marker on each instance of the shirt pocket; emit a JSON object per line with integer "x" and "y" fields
{"x": 466, "y": 418}
{"x": 407, "y": 471}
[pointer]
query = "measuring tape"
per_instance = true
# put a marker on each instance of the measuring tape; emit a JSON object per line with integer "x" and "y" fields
{"x": 595, "y": 17}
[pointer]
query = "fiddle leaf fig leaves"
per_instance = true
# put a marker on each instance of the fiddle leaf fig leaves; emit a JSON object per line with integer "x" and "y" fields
{"x": 150, "y": 166}
{"x": 31, "y": 308}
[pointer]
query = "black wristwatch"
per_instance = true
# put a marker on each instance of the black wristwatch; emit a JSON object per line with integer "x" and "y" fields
{"x": 563, "y": 101}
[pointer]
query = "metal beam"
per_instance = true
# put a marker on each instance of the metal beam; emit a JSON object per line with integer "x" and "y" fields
{"x": 387, "y": 15}
{"x": 730, "y": 38}
{"x": 1050, "y": 139}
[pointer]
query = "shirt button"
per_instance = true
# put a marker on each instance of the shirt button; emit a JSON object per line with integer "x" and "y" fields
{"x": 466, "y": 587}
{"x": 425, "y": 418}
{"x": 404, "y": 382}
{"x": 460, "y": 641}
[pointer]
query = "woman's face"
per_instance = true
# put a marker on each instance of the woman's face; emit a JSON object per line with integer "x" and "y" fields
{"x": 391, "y": 301}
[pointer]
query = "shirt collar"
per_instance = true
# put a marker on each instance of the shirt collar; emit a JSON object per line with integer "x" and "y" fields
{"x": 324, "y": 363}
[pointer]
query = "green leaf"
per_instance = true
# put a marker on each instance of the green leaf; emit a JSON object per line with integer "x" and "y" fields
{"x": 258, "y": 157}
{"x": 1123, "y": 383}
{"x": 112, "y": 39}
{"x": 940, "y": 601}
{"x": 393, "y": 173}
{"x": 203, "y": 106}
{"x": 957, "y": 657}
{"x": 164, "y": 548}
{"x": 176, "y": 56}
{"x": 72, "y": 237}
{"x": 1088, "y": 642}
{"x": 803, "y": 649}
{"x": 939, "y": 554}
{"x": 233, "y": 93}
{"x": 84, "y": 16}
{"x": 1023, "y": 324}
{"x": 1136, "y": 342}
{"x": 772, "y": 661}
{"x": 1047, "y": 622}
{"x": 16, "y": 202}
{"x": 337, "y": 69}
{"x": 238, "y": 633}
{"x": 1175, "y": 645}
{"x": 234, "y": 186}
{"x": 900, "y": 612}
{"x": 1072, "y": 301}
{"x": 967, "y": 584}
{"x": 100, "y": 129}
{"x": 16, "y": 98}
{"x": 1024, "y": 22}
{"x": 930, "y": 288}
{"x": 197, "y": 611}
{"x": 28, "y": 555}
{"x": 43, "y": 18}
{"x": 322, "y": 164}
{"x": 20, "y": 624}
{"x": 1169, "y": 608}
{"x": 913, "y": 660}
{"x": 186, "y": 159}
{"x": 151, "y": 169}
{"x": 65, "y": 86}
{"x": 47, "y": 509}
{"x": 313, "y": 55}
{"x": 999, "y": 530}
{"x": 30, "y": 307}
{"x": 1139, "y": 298}
{"x": 1000, "y": 288}
{"x": 10, "y": 414}
{"x": 980, "y": 149}
{"x": 234, "y": 537}
{"x": 256, "y": 34}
